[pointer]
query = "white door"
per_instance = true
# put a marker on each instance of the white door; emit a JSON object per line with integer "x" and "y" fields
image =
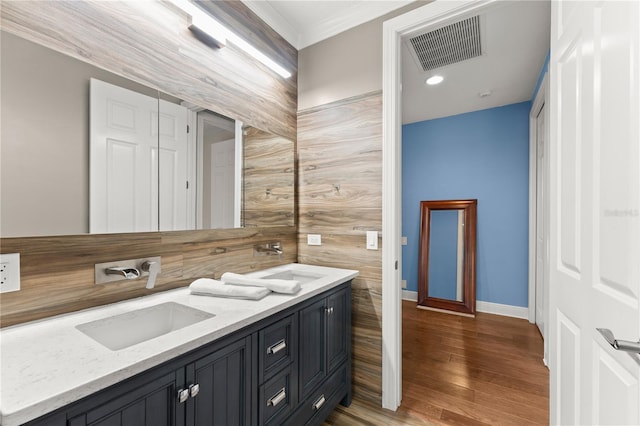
{"x": 174, "y": 167}
{"x": 121, "y": 163}
{"x": 595, "y": 211}
{"x": 540, "y": 219}
{"x": 222, "y": 163}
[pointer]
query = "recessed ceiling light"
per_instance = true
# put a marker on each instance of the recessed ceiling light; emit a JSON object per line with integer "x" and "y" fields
{"x": 435, "y": 79}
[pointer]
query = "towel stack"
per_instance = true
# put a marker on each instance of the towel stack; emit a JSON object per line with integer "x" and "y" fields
{"x": 242, "y": 287}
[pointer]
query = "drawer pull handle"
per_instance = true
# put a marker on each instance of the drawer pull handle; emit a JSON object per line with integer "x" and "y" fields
{"x": 277, "y": 398}
{"x": 277, "y": 347}
{"x": 194, "y": 390}
{"x": 319, "y": 403}
{"x": 183, "y": 395}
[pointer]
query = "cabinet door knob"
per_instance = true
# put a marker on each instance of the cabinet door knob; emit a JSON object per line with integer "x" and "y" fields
{"x": 319, "y": 403}
{"x": 194, "y": 390}
{"x": 277, "y": 347}
{"x": 183, "y": 395}
{"x": 277, "y": 398}
{"x": 329, "y": 310}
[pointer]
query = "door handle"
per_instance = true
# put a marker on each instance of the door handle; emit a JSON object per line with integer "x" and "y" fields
{"x": 621, "y": 345}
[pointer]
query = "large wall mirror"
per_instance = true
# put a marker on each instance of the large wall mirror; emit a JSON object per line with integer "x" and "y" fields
{"x": 87, "y": 151}
{"x": 447, "y": 264}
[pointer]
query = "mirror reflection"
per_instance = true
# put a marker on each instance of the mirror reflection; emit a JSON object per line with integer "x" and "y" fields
{"x": 446, "y": 254}
{"x": 447, "y": 263}
{"x": 85, "y": 150}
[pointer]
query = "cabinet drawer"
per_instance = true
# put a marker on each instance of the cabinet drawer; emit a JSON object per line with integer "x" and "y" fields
{"x": 276, "y": 347}
{"x": 316, "y": 408}
{"x": 277, "y": 397}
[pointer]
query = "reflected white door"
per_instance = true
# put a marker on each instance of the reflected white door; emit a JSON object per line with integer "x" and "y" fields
{"x": 222, "y": 183}
{"x": 174, "y": 167}
{"x": 121, "y": 165}
{"x": 595, "y": 211}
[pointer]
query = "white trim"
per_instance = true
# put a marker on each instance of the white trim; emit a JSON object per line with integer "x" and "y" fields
{"x": 533, "y": 183}
{"x": 543, "y": 97}
{"x": 410, "y": 295}
{"x": 486, "y": 307}
{"x": 321, "y": 29}
{"x": 504, "y": 310}
{"x": 238, "y": 175}
{"x": 392, "y": 32}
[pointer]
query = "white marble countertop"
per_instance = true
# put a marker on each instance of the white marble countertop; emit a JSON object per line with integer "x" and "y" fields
{"x": 48, "y": 364}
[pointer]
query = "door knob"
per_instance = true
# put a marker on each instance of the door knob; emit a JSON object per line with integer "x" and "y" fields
{"x": 621, "y": 345}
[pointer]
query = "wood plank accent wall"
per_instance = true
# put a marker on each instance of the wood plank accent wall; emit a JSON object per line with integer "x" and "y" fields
{"x": 149, "y": 42}
{"x": 57, "y": 273}
{"x": 269, "y": 179}
{"x": 340, "y": 197}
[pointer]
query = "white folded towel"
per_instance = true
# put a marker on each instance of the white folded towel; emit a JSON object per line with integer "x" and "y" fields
{"x": 275, "y": 285}
{"x": 210, "y": 287}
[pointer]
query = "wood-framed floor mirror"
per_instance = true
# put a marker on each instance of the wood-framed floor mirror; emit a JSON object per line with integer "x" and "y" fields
{"x": 447, "y": 263}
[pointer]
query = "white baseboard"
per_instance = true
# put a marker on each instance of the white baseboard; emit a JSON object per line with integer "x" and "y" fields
{"x": 409, "y": 295}
{"x": 505, "y": 310}
{"x": 486, "y": 307}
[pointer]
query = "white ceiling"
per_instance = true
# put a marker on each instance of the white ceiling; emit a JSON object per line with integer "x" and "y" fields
{"x": 515, "y": 41}
{"x": 306, "y": 22}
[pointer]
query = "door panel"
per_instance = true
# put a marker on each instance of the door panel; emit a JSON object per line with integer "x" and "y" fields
{"x": 595, "y": 225}
{"x": 122, "y": 179}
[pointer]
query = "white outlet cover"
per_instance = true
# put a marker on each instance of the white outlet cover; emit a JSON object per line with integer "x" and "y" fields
{"x": 372, "y": 240}
{"x": 10, "y": 274}
{"x": 314, "y": 239}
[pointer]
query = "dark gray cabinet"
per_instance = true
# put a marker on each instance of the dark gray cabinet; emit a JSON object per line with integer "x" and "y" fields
{"x": 291, "y": 368}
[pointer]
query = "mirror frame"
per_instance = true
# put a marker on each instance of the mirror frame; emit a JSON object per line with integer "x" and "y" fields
{"x": 468, "y": 303}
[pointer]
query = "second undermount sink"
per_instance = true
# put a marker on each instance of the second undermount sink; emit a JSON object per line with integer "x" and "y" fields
{"x": 302, "y": 277}
{"x": 128, "y": 329}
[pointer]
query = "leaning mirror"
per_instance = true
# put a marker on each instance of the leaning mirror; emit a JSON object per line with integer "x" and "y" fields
{"x": 447, "y": 277}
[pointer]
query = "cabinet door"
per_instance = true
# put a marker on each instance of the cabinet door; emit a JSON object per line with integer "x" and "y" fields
{"x": 152, "y": 404}
{"x": 313, "y": 361}
{"x": 224, "y": 380}
{"x": 338, "y": 328}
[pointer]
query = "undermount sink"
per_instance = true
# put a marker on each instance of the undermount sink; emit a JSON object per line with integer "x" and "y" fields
{"x": 292, "y": 274}
{"x": 128, "y": 329}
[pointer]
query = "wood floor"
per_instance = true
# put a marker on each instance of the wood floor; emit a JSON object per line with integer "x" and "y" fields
{"x": 463, "y": 371}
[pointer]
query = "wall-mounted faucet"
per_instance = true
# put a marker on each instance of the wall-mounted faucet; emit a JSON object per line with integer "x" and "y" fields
{"x": 126, "y": 273}
{"x": 128, "y": 270}
{"x": 268, "y": 249}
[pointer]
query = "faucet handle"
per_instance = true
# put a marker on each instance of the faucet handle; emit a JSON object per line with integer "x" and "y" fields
{"x": 152, "y": 268}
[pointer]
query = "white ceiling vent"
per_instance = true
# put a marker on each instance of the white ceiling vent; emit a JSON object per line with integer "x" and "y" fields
{"x": 447, "y": 45}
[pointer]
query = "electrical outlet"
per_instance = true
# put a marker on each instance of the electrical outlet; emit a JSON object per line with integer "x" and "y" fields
{"x": 9, "y": 272}
{"x": 314, "y": 239}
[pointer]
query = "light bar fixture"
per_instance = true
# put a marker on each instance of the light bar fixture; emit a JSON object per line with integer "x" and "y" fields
{"x": 217, "y": 34}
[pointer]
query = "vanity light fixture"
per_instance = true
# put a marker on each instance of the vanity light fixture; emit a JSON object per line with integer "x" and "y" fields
{"x": 434, "y": 79}
{"x": 203, "y": 23}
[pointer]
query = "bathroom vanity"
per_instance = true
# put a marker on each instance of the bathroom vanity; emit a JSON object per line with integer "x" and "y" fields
{"x": 285, "y": 359}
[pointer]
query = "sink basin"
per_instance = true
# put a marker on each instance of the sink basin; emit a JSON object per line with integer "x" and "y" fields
{"x": 292, "y": 274}
{"x": 128, "y": 329}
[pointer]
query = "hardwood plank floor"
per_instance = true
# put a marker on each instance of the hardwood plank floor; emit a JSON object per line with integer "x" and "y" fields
{"x": 486, "y": 370}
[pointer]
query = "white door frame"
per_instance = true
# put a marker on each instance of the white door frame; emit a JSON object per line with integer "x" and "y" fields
{"x": 541, "y": 99}
{"x": 433, "y": 14}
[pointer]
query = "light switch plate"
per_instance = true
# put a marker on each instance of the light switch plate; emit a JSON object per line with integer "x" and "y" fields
{"x": 314, "y": 239}
{"x": 403, "y": 241}
{"x": 372, "y": 240}
{"x": 404, "y": 283}
{"x": 9, "y": 272}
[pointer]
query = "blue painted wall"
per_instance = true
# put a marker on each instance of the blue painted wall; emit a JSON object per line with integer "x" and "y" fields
{"x": 482, "y": 155}
{"x": 545, "y": 68}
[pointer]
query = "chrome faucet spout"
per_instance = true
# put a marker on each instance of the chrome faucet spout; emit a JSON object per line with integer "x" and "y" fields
{"x": 269, "y": 248}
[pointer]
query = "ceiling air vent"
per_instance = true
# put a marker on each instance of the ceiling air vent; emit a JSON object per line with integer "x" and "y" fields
{"x": 447, "y": 45}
